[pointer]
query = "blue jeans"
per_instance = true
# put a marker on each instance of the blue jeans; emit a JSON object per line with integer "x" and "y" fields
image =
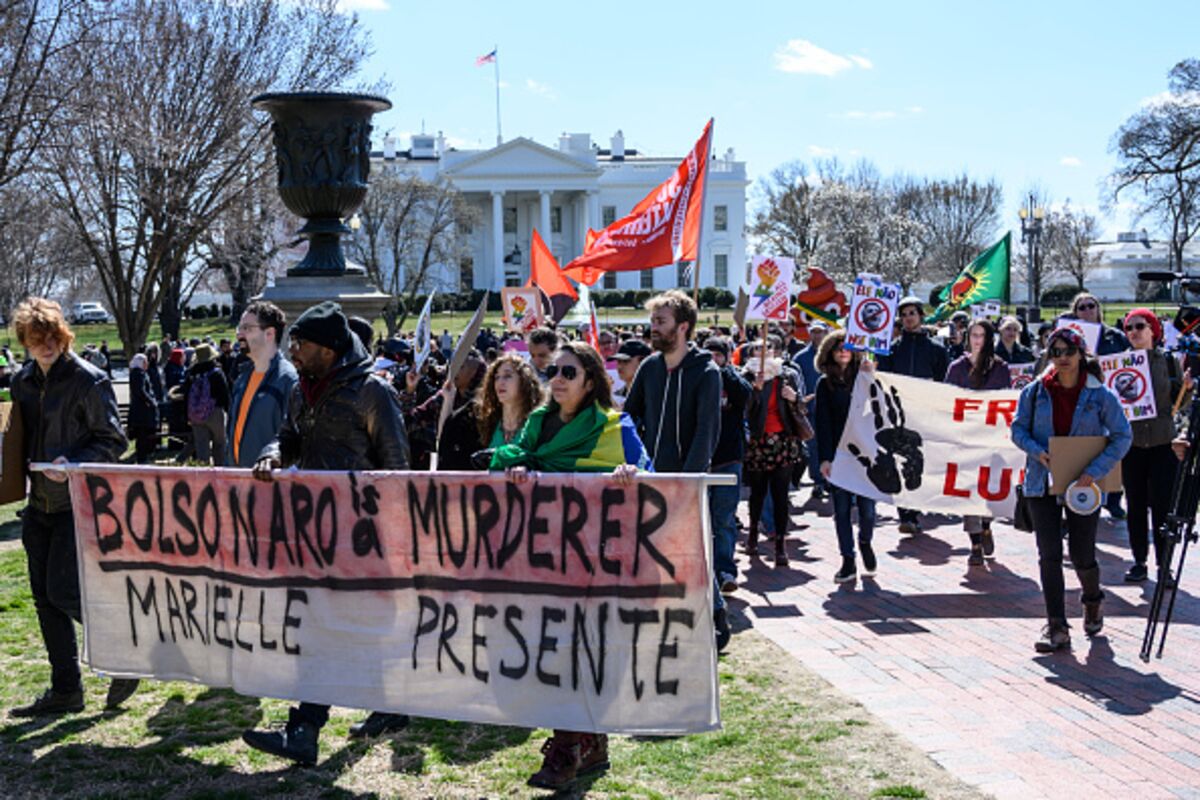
{"x": 842, "y": 503}
{"x": 722, "y": 509}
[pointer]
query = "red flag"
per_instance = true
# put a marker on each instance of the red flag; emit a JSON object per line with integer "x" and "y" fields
{"x": 662, "y": 229}
{"x": 545, "y": 274}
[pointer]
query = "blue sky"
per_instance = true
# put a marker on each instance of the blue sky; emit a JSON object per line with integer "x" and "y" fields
{"x": 1025, "y": 93}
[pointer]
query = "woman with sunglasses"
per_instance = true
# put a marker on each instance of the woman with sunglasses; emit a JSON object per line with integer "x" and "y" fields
{"x": 1148, "y": 469}
{"x": 839, "y": 368}
{"x": 1087, "y": 308}
{"x": 575, "y": 430}
{"x": 1068, "y": 399}
{"x": 979, "y": 368}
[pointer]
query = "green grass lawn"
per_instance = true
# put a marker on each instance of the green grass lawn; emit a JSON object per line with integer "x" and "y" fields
{"x": 786, "y": 734}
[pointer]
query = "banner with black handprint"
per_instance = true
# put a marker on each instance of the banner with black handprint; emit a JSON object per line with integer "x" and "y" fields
{"x": 920, "y": 444}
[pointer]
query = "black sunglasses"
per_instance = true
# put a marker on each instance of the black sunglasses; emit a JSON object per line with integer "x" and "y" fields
{"x": 1085, "y": 306}
{"x": 1064, "y": 352}
{"x": 568, "y": 371}
{"x": 1136, "y": 326}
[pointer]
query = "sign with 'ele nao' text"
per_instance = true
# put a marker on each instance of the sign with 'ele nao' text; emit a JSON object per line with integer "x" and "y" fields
{"x": 564, "y": 602}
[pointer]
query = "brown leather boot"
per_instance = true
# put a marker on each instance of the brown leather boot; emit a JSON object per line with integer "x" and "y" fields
{"x": 593, "y": 753}
{"x": 560, "y": 762}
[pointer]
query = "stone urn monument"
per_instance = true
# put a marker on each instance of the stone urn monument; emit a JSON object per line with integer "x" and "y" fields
{"x": 323, "y": 156}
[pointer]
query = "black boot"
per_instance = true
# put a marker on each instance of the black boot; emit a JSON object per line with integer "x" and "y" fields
{"x": 297, "y": 741}
{"x": 377, "y": 724}
{"x": 52, "y": 704}
{"x": 976, "y": 557}
{"x": 1093, "y": 595}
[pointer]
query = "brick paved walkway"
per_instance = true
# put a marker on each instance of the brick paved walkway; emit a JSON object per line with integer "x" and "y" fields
{"x": 944, "y": 654}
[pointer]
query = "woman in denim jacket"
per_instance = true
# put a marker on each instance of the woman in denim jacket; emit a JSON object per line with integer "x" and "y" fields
{"x": 1068, "y": 399}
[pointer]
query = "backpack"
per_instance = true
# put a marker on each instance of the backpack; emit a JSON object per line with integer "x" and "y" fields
{"x": 200, "y": 402}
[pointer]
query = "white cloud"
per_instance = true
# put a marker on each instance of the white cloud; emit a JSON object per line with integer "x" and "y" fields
{"x": 819, "y": 152}
{"x": 363, "y": 5}
{"x": 803, "y": 57}
{"x": 540, "y": 89}
{"x": 1070, "y": 161}
{"x": 915, "y": 110}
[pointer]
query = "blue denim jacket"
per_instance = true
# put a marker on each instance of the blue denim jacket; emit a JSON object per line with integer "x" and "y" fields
{"x": 1098, "y": 413}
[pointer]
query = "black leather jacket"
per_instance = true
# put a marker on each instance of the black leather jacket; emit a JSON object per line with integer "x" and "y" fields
{"x": 70, "y": 412}
{"x": 354, "y": 425}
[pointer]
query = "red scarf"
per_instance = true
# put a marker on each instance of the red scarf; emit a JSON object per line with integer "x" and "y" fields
{"x": 1063, "y": 400}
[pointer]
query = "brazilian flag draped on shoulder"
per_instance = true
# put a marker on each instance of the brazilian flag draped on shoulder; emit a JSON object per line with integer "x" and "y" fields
{"x": 985, "y": 278}
{"x": 596, "y": 440}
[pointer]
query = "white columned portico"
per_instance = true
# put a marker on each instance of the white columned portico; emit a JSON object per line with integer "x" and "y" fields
{"x": 544, "y": 216}
{"x": 497, "y": 240}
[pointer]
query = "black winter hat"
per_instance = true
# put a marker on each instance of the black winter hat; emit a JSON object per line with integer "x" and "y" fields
{"x": 324, "y": 324}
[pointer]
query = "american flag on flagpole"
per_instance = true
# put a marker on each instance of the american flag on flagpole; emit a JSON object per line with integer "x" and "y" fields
{"x": 487, "y": 59}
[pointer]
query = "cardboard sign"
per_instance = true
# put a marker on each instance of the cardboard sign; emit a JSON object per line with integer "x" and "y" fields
{"x": 1090, "y": 331}
{"x": 872, "y": 313}
{"x": 522, "y": 308}
{"x": 1127, "y": 376}
{"x": 770, "y": 287}
{"x": 564, "y": 602}
{"x": 1069, "y": 457}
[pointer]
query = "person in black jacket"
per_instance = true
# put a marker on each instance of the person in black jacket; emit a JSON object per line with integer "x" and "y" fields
{"x": 917, "y": 355}
{"x": 205, "y": 395}
{"x": 142, "y": 423}
{"x": 839, "y": 368}
{"x": 1009, "y": 346}
{"x": 70, "y": 414}
{"x": 343, "y": 417}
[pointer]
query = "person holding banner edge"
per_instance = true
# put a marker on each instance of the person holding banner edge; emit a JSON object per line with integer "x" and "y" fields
{"x": 980, "y": 368}
{"x": 575, "y": 430}
{"x": 1068, "y": 399}
{"x": 1148, "y": 469}
{"x": 341, "y": 416}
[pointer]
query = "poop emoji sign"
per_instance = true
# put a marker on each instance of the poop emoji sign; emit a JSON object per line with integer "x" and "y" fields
{"x": 1127, "y": 375}
{"x": 770, "y": 287}
{"x": 872, "y": 310}
{"x": 821, "y": 300}
{"x": 522, "y": 308}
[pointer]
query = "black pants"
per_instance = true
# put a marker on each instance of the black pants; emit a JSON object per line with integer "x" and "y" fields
{"x": 777, "y": 482}
{"x": 1149, "y": 475}
{"x": 49, "y": 541}
{"x": 1081, "y": 541}
{"x": 145, "y": 438}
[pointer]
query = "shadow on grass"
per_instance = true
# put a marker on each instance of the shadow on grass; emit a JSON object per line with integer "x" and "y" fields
{"x": 11, "y": 531}
{"x": 455, "y": 743}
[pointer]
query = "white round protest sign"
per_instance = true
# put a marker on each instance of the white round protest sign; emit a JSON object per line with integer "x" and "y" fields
{"x": 1083, "y": 500}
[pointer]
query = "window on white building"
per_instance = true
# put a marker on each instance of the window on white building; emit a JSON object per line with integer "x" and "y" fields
{"x": 647, "y": 279}
{"x": 683, "y": 278}
{"x": 556, "y": 219}
{"x": 720, "y": 218}
{"x": 608, "y": 215}
{"x": 510, "y": 220}
{"x": 721, "y": 270}
{"x": 610, "y": 280}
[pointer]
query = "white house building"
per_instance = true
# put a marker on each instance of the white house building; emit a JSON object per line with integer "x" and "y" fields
{"x": 562, "y": 192}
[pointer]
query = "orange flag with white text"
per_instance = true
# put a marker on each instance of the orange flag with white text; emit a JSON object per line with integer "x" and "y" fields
{"x": 544, "y": 273}
{"x": 664, "y": 228}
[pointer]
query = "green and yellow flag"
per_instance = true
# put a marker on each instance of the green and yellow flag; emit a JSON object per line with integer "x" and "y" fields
{"x": 985, "y": 278}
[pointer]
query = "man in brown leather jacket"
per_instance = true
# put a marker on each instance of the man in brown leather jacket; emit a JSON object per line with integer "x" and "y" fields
{"x": 70, "y": 414}
{"x": 341, "y": 416}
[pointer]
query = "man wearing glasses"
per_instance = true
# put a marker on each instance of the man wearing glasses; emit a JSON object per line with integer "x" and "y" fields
{"x": 917, "y": 355}
{"x": 261, "y": 391}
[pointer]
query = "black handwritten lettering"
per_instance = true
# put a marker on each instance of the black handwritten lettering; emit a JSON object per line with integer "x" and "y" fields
{"x": 237, "y": 628}
{"x": 278, "y": 528}
{"x": 448, "y": 630}
{"x": 512, "y": 538}
{"x": 243, "y": 525}
{"x": 637, "y": 617}
{"x": 579, "y": 636}
{"x": 302, "y": 512}
{"x": 220, "y": 615}
{"x": 262, "y": 624}
{"x": 548, "y": 644}
{"x": 145, "y": 602}
{"x": 206, "y": 502}
{"x": 173, "y": 610}
{"x": 189, "y": 607}
{"x": 165, "y": 545}
{"x": 539, "y": 525}
{"x": 485, "y": 520}
{"x": 293, "y": 596}
{"x": 511, "y": 614}
{"x": 327, "y": 511}
{"x": 647, "y": 525}
{"x": 679, "y": 616}
{"x": 424, "y": 626}
{"x": 101, "y": 495}
{"x": 458, "y": 556}
{"x": 572, "y": 524}
{"x": 424, "y": 513}
{"x": 180, "y": 493}
{"x": 135, "y": 493}
{"x": 609, "y": 528}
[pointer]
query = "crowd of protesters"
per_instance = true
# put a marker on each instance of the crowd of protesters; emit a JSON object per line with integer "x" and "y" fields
{"x": 761, "y": 406}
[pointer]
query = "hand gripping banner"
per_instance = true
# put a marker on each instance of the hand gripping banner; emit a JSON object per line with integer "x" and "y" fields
{"x": 932, "y": 446}
{"x": 564, "y": 602}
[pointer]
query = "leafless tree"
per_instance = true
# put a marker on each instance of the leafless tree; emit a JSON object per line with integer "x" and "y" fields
{"x": 1158, "y": 159}
{"x": 1069, "y": 236}
{"x": 39, "y": 254}
{"x": 960, "y": 217}
{"x": 159, "y": 146}
{"x": 783, "y": 224}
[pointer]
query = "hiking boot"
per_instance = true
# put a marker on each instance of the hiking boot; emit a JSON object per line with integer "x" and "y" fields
{"x": 1093, "y": 619}
{"x": 781, "y": 556}
{"x": 1137, "y": 574}
{"x": 560, "y": 764}
{"x": 868, "y": 558}
{"x": 378, "y": 723}
{"x": 120, "y": 690}
{"x": 297, "y": 741}
{"x": 593, "y": 753}
{"x": 848, "y": 572}
{"x": 989, "y": 543}
{"x": 976, "y": 557}
{"x": 1055, "y": 636}
{"x": 721, "y": 626}
{"x": 51, "y": 704}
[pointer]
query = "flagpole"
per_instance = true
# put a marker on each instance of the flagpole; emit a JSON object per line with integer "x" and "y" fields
{"x": 496, "y": 64}
{"x": 703, "y": 218}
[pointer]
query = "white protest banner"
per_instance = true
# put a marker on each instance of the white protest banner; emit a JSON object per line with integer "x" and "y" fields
{"x": 1127, "y": 376}
{"x": 1090, "y": 331}
{"x": 564, "y": 602}
{"x": 770, "y": 287}
{"x": 872, "y": 312}
{"x": 522, "y": 308}
{"x": 927, "y": 445}
{"x": 423, "y": 337}
{"x": 1021, "y": 375}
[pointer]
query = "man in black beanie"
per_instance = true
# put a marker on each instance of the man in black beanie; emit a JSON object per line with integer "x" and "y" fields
{"x": 340, "y": 417}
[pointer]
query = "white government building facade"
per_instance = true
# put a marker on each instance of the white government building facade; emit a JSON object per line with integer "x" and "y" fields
{"x": 521, "y": 185}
